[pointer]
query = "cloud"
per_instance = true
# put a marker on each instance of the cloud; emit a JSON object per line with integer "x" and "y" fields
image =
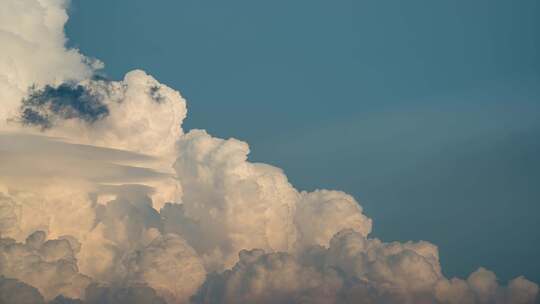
{"x": 66, "y": 101}
{"x": 52, "y": 185}
{"x": 106, "y": 113}
{"x": 14, "y": 291}
{"x": 137, "y": 294}
{"x": 63, "y": 300}
{"x": 49, "y": 265}
{"x": 354, "y": 269}
{"x": 33, "y": 50}
{"x": 168, "y": 265}
{"x": 28, "y": 156}
{"x": 105, "y": 199}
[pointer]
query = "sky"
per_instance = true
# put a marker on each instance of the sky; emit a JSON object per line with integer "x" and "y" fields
{"x": 427, "y": 112}
{"x": 173, "y": 152}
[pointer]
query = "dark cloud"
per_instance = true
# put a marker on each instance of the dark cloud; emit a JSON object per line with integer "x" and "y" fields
{"x": 96, "y": 294}
{"x": 154, "y": 92}
{"x": 100, "y": 77}
{"x": 32, "y": 117}
{"x": 67, "y": 101}
{"x": 15, "y": 292}
{"x": 63, "y": 300}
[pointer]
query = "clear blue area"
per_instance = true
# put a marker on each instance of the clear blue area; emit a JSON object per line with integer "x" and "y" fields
{"x": 427, "y": 111}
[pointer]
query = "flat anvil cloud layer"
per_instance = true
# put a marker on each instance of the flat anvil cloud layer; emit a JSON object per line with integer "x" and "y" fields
{"x": 105, "y": 199}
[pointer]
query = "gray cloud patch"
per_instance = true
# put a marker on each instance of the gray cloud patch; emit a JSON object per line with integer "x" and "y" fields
{"x": 63, "y": 300}
{"x": 15, "y": 291}
{"x": 155, "y": 94}
{"x": 142, "y": 294}
{"x": 67, "y": 101}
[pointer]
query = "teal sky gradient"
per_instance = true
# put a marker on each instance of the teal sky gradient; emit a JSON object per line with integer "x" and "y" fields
{"x": 428, "y": 112}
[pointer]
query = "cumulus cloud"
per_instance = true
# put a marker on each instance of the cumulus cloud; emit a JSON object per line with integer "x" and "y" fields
{"x": 105, "y": 199}
{"x": 49, "y": 265}
{"x": 168, "y": 265}
{"x": 354, "y": 269}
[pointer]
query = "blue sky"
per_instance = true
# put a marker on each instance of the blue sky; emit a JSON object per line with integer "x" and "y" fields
{"x": 426, "y": 111}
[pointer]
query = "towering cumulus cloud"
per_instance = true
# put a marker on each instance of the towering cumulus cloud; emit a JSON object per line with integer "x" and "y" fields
{"x": 105, "y": 199}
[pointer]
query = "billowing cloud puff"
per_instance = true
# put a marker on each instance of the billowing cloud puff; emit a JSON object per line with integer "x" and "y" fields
{"x": 168, "y": 265}
{"x": 322, "y": 213}
{"x": 270, "y": 278}
{"x": 49, "y": 265}
{"x": 354, "y": 269}
{"x": 105, "y": 199}
{"x": 482, "y": 287}
{"x": 236, "y": 203}
{"x": 241, "y": 205}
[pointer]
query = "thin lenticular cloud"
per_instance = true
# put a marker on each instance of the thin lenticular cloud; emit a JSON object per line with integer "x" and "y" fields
{"x": 105, "y": 199}
{"x": 37, "y": 143}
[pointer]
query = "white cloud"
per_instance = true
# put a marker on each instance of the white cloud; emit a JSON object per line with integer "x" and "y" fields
{"x": 33, "y": 51}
